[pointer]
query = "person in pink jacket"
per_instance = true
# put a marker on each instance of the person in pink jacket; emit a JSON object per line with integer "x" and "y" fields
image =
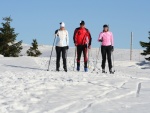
{"x": 107, "y": 47}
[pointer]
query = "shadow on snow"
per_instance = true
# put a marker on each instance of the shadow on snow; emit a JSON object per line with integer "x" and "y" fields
{"x": 145, "y": 64}
{"x": 22, "y": 67}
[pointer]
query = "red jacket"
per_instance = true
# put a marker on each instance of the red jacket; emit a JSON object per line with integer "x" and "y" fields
{"x": 82, "y": 36}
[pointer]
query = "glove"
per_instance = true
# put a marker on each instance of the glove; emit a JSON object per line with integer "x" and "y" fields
{"x": 100, "y": 40}
{"x": 89, "y": 47}
{"x": 75, "y": 44}
{"x": 112, "y": 48}
{"x": 67, "y": 47}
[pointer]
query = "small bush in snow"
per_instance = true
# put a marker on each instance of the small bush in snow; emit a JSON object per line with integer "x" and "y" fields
{"x": 33, "y": 51}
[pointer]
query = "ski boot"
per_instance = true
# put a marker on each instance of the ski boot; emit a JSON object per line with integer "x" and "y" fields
{"x": 111, "y": 72}
{"x": 57, "y": 69}
{"x": 86, "y": 69}
{"x": 78, "y": 68}
{"x": 65, "y": 69}
{"x": 103, "y": 71}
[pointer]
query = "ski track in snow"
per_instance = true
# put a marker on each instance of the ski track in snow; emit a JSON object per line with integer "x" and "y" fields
{"x": 26, "y": 87}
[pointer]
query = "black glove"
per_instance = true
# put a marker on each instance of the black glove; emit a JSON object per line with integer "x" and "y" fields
{"x": 67, "y": 47}
{"x": 100, "y": 40}
{"x": 112, "y": 48}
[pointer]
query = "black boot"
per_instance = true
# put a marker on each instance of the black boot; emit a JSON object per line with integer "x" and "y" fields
{"x": 111, "y": 72}
{"x": 57, "y": 69}
{"x": 65, "y": 64}
{"x": 65, "y": 69}
{"x": 103, "y": 71}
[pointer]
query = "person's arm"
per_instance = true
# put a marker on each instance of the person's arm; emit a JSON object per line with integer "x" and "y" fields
{"x": 56, "y": 36}
{"x": 90, "y": 39}
{"x": 67, "y": 40}
{"x": 100, "y": 37}
{"x": 56, "y": 32}
{"x": 74, "y": 36}
{"x": 112, "y": 41}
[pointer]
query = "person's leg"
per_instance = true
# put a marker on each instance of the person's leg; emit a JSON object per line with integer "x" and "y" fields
{"x": 79, "y": 52}
{"x": 64, "y": 57}
{"x": 85, "y": 53}
{"x": 109, "y": 49}
{"x": 58, "y": 53}
{"x": 103, "y": 52}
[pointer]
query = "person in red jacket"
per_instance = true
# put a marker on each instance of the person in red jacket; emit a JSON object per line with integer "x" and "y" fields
{"x": 82, "y": 40}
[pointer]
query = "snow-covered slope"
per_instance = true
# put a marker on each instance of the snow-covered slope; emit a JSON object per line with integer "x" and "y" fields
{"x": 26, "y": 86}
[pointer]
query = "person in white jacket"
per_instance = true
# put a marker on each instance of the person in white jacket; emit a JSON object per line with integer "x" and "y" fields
{"x": 62, "y": 46}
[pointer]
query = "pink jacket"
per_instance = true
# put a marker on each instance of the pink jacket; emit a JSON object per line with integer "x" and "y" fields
{"x": 107, "y": 38}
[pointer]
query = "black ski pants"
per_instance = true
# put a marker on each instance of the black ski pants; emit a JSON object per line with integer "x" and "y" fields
{"x": 106, "y": 51}
{"x": 84, "y": 49}
{"x": 59, "y": 51}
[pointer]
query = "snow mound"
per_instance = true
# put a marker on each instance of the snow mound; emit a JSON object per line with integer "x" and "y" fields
{"x": 1, "y": 55}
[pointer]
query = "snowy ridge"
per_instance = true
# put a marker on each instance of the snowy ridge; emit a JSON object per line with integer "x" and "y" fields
{"x": 26, "y": 86}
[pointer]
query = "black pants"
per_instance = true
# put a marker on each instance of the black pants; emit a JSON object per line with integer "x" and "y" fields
{"x": 84, "y": 49}
{"x": 106, "y": 51}
{"x": 60, "y": 50}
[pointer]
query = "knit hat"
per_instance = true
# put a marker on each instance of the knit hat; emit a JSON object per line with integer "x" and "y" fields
{"x": 62, "y": 24}
{"x": 105, "y": 26}
{"x": 82, "y": 22}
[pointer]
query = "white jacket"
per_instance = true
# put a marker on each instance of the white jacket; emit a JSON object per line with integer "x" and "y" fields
{"x": 62, "y": 38}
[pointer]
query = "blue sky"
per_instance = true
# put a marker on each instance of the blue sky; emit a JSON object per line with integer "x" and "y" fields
{"x": 40, "y": 18}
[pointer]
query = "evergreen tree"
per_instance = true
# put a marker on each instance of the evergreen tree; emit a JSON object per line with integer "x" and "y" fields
{"x": 33, "y": 51}
{"x": 8, "y": 45}
{"x": 147, "y": 46}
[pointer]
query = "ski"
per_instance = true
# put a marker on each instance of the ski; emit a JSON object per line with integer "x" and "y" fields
{"x": 98, "y": 70}
{"x": 113, "y": 72}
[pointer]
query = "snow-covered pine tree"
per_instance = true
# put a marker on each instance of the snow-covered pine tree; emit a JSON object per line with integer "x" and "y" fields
{"x": 147, "y": 46}
{"x": 8, "y": 45}
{"x": 33, "y": 51}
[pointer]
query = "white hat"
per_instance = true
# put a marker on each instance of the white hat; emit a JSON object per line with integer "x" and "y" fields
{"x": 62, "y": 24}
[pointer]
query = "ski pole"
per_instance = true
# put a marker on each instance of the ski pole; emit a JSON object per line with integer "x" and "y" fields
{"x": 88, "y": 51}
{"x": 113, "y": 61}
{"x": 51, "y": 54}
{"x": 97, "y": 57}
{"x": 66, "y": 57}
{"x": 75, "y": 57}
{"x": 88, "y": 58}
{"x": 67, "y": 49}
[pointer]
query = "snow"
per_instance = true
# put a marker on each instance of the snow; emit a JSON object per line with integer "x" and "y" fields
{"x": 26, "y": 86}
{"x": 1, "y": 55}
